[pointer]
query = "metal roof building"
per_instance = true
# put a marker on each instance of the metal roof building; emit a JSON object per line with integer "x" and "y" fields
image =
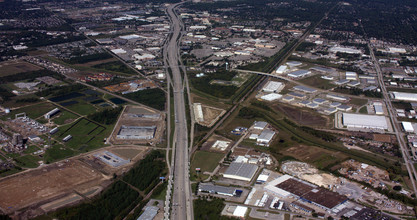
{"x": 405, "y": 96}
{"x": 149, "y": 213}
{"x": 273, "y": 86}
{"x": 364, "y": 121}
{"x": 241, "y": 171}
{"x": 136, "y": 132}
{"x": 260, "y": 125}
{"x": 271, "y": 97}
{"x": 221, "y": 190}
{"x": 265, "y": 137}
{"x": 305, "y": 89}
{"x": 299, "y": 73}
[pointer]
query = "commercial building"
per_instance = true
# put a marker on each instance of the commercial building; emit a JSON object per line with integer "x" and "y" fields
{"x": 344, "y": 108}
{"x": 286, "y": 186}
{"x": 241, "y": 171}
{"x": 51, "y": 113}
{"x": 220, "y": 190}
{"x": 288, "y": 98}
{"x": 312, "y": 105}
{"x": 149, "y": 213}
{"x": 299, "y": 73}
{"x": 297, "y": 95}
{"x": 305, "y": 89}
{"x": 273, "y": 86}
{"x": 240, "y": 211}
{"x": 405, "y": 96}
{"x": 136, "y": 132}
{"x": 364, "y": 121}
{"x": 378, "y": 108}
{"x": 341, "y": 82}
{"x": 320, "y": 101}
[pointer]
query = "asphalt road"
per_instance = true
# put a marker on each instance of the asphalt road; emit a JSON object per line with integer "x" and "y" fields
{"x": 181, "y": 199}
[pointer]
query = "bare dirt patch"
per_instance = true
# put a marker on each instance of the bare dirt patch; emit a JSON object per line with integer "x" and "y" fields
{"x": 14, "y": 67}
{"x": 46, "y": 183}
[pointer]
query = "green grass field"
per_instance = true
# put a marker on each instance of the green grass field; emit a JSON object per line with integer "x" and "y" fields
{"x": 57, "y": 152}
{"x": 82, "y": 108}
{"x": 358, "y": 102}
{"x": 28, "y": 161}
{"x": 317, "y": 82}
{"x": 206, "y": 161}
{"x": 64, "y": 116}
{"x": 363, "y": 110}
{"x": 33, "y": 111}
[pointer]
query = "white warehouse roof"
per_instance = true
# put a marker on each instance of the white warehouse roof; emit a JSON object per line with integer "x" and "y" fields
{"x": 408, "y": 127}
{"x": 273, "y": 86}
{"x": 240, "y": 211}
{"x": 364, "y": 121}
{"x": 271, "y": 97}
{"x": 405, "y": 96}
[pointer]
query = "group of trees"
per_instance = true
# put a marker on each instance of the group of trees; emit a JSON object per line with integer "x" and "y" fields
{"x": 145, "y": 175}
{"x": 203, "y": 84}
{"x": 89, "y": 58}
{"x": 357, "y": 91}
{"x": 107, "y": 116}
{"x": 154, "y": 98}
{"x": 60, "y": 90}
{"x": 108, "y": 206}
{"x": 209, "y": 209}
{"x": 25, "y": 76}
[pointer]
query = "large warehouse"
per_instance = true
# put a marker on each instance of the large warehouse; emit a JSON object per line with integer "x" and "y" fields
{"x": 273, "y": 86}
{"x": 365, "y": 121}
{"x": 241, "y": 171}
{"x": 405, "y": 96}
{"x": 286, "y": 186}
{"x": 136, "y": 132}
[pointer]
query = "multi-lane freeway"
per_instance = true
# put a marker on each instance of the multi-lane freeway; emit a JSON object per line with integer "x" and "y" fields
{"x": 181, "y": 198}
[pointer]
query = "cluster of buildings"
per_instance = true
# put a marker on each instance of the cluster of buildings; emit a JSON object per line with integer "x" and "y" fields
{"x": 131, "y": 86}
{"x": 96, "y": 77}
{"x": 262, "y": 132}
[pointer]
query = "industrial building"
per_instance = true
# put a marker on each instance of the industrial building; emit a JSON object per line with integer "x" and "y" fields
{"x": 320, "y": 101}
{"x": 265, "y": 138}
{"x": 305, "y": 89}
{"x": 271, "y": 97}
{"x": 220, "y": 190}
{"x": 405, "y": 96}
{"x": 378, "y": 108}
{"x": 111, "y": 159}
{"x": 136, "y": 132}
{"x": 337, "y": 97}
{"x": 273, "y": 86}
{"x": 281, "y": 69}
{"x": 341, "y": 82}
{"x": 337, "y": 49}
{"x": 51, "y": 113}
{"x": 286, "y": 186}
{"x": 299, "y": 73}
{"x": 260, "y": 125}
{"x": 344, "y": 108}
{"x": 351, "y": 75}
{"x": 297, "y": 95}
{"x": 287, "y": 98}
{"x": 293, "y": 64}
{"x": 198, "y": 112}
{"x": 67, "y": 138}
{"x": 54, "y": 130}
{"x": 408, "y": 126}
{"x": 241, "y": 171}
{"x": 365, "y": 121}
{"x": 322, "y": 69}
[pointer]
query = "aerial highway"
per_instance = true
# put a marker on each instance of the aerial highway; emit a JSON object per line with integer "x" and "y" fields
{"x": 181, "y": 198}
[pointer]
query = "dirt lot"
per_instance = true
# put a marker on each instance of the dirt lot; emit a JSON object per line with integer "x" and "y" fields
{"x": 317, "y": 156}
{"x": 43, "y": 184}
{"x": 303, "y": 117}
{"x": 14, "y": 67}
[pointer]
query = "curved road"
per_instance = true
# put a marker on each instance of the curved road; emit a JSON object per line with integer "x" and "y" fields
{"x": 181, "y": 198}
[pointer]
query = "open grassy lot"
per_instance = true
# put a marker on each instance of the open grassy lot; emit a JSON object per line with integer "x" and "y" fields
{"x": 206, "y": 161}
{"x": 115, "y": 66}
{"x": 317, "y": 82}
{"x": 34, "y": 111}
{"x": 28, "y": 161}
{"x": 86, "y": 135}
{"x": 358, "y": 102}
{"x": 64, "y": 117}
{"x": 57, "y": 152}
{"x": 82, "y": 108}
{"x": 14, "y": 67}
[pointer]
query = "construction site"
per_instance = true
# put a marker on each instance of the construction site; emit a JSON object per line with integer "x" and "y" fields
{"x": 207, "y": 115}
{"x": 138, "y": 125}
